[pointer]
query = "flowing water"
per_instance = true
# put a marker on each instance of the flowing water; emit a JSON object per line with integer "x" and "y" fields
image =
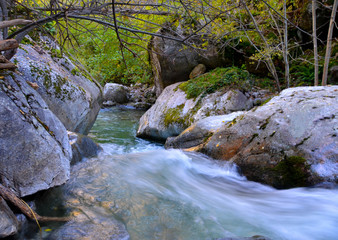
{"x": 170, "y": 194}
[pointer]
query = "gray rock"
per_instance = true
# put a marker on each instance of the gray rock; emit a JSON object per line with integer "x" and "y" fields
{"x": 34, "y": 146}
{"x": 173, "y": 112}
{"x": 141, "y": 96}
{"x": 194, "y": 137}
{"x": 198, "y": 70}
{"x": 8, "y": 222}
{"x": 172, "y": 62}
{"x": 74, "y": 99}
{"x": 290, "y": 141}
{"x": 115, "y": 93}
{"x": 82, "y": 147}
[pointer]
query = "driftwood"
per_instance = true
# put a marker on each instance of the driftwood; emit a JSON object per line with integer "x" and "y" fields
{"x": 25, "y": 209}
{"x": 7, "y": 66}
{"x": 8, "y": 44}
{"x": 14, "y": 22}
{"x": 3, "y": 59}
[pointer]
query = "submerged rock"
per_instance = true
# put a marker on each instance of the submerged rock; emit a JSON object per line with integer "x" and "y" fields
{"x": 34, "y": 146}
{"x": 91, "y": 226}
{"x": 82, "y": 147}
{"x": 8, "y": 222}
{"x": 173, "y": 112}
{"x": 73, "y": 98}
{"x": 256, "y": 237}
{"x": 290, "y": 141}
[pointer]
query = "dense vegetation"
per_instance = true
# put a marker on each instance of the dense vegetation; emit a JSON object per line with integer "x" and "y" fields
{"x": 217, "y": 79}
{"x": 111, "y": 38}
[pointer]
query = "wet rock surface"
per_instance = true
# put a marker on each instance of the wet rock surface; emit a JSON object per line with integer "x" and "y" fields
{"x": 91, "y": 226}
{"x": 195, "y": 136}
{"x": 8, "y": 222}
{"x": 82, "y": 147}
{"x": 290, "y": 141}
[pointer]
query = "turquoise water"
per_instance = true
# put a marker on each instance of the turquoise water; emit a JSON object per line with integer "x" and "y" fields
{"x": 170, "y": 194}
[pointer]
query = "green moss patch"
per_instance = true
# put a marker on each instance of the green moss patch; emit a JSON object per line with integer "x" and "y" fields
{"x": 173, "y": 115}
{"x": 292, "y": 172}
{"x": 217, "y": 79}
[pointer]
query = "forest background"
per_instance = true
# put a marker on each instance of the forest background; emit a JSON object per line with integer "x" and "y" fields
{"x": 112, "y": 38}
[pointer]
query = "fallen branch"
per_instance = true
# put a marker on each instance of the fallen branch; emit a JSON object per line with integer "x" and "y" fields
{"x": 25, "y": 209}
{"x": 7, "y": 65}
{"x": 14, "y": 22}
{"x": 8, "y": 44}
{"x": 3, "y": 59}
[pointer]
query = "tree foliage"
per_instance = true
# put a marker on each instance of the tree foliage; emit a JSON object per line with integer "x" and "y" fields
{"x": 111, "y": 37}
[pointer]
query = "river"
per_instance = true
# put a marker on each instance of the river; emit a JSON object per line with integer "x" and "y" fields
{"x": 153, "y": 193}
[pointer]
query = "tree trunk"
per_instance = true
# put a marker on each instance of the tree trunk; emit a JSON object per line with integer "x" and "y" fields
{"x": 329, "y": 43}
{"x": 4, "y": 10}
{"x": 314, "y": 34}
{"x": 286, "y": 60}
{"x": 25, "y": 209}
{"x": 270, "y": 64}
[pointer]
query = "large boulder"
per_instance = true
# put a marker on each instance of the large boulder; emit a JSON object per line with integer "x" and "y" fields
{"x": 288, "y": 142}
{"x": 172, "y": 62}
{"x": 34, "y": 146}
{"x": 8, "y": 222}
{"x": 173, "y": 112}
{"x": 72, "y": 97}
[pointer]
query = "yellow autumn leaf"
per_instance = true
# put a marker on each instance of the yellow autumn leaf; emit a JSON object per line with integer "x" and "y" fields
{"x": 76, "y": 213}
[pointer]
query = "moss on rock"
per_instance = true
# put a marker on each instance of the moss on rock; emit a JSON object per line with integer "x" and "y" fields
{"x": 217, "y": 79}
{"x": 292, "y": 172}
{"x": 173, "y": 115}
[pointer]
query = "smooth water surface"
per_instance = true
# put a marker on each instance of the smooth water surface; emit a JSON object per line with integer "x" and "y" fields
{"x": 171, "y": 194}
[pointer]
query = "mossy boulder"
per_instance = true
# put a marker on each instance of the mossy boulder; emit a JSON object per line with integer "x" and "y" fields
{"x": 289, "y": 141}
{"x": 174, "y": 110}
{"x": 72, "y": 97}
